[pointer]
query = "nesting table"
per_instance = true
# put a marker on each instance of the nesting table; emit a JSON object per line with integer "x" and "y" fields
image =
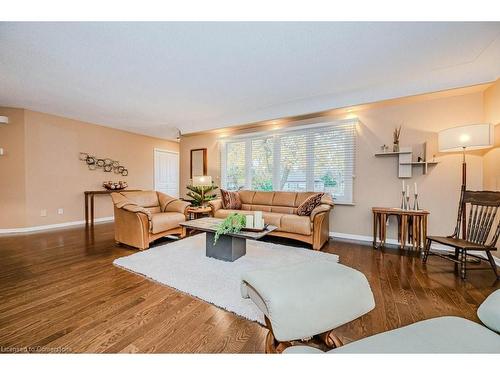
{"x": 198, "y": 212}
{"x": 412, "y": 226}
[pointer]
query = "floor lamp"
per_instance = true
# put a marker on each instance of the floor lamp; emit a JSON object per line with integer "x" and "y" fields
{"x": 465, "y": 138}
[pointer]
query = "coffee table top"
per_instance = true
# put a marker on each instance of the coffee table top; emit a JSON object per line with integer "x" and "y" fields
{"x": 209, "y": 224}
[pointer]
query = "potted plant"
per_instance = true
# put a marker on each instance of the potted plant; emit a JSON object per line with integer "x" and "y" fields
{"x": 233, "y": 223}
{"x": 199, "y": 196}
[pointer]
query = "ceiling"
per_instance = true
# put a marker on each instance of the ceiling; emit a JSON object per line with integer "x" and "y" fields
{"x": 152, "y": 78}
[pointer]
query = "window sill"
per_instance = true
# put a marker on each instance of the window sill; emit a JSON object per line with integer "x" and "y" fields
{"x": 344, "y": 203}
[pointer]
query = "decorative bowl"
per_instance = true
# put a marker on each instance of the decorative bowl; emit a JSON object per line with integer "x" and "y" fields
{"x": 110, "y": 185}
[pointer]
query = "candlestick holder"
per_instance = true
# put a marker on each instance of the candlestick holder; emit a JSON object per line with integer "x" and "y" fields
{"x": 415, "y": 203}
{"x": 407, "y": 203}
{"x": 403, "y": 200}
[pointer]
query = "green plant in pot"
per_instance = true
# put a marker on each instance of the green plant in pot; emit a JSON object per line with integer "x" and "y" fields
{"x": 233, "y": 223}
{"x": 201, "y": 194}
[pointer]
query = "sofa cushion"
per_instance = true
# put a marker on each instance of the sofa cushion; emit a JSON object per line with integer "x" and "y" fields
{"x": 489, "y": 311}
{"x": 284, "y": 198}
{"x": 309, "y": 205}
{"x": 166, "y": 220}
{"x": 223, "y": 213}
{"x": 301, "y": 197}
{"x": 263, "y": 198}
{"x": 230, "y": 199}
{"x": 296, "y": 224}
{"x": 283, "y": 210}
{"x": 143, "y": 198}
{"x": 261, "y": 207}
{"x": 272, "y": 218}
{"x": 155, "y": 209}
{"x": 246, "y": 196}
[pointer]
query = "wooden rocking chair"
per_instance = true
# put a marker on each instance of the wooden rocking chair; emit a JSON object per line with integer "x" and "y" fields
{"x": 477, "y": 228}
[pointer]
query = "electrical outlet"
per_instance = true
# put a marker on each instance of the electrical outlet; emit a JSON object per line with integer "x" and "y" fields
{"x": 60, "y": 211}
{"x": 43, "y": 212}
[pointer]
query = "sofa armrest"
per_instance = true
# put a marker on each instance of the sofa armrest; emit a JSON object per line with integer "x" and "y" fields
{"x": 177, "y": 206}
{"x": 215, "y": 204}
{"x": 320, "y": 208}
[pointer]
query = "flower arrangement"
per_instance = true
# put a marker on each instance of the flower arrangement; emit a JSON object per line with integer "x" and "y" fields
{"x": 233, "y": 223}
{"x": 396, "y": 134}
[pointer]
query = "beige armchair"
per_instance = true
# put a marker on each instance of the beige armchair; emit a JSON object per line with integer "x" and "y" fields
{"x": 144, "y": 216}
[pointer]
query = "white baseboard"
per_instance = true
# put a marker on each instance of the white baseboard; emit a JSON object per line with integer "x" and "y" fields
{"x": 53, "y": 226}
{"x": 393, "y": 241}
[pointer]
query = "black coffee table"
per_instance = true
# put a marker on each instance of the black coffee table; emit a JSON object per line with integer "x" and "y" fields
{"x": 229, "y": 247}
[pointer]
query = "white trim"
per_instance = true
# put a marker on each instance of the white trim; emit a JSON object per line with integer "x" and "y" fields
{"x": 53, "y": 226}
{"x": 393, "y": 241}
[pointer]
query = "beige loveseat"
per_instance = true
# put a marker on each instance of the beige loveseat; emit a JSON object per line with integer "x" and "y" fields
{"x": 144, "y": 216}
{"x": 280, "y": 208}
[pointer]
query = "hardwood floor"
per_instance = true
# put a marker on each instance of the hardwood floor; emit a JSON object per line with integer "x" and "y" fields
{"x": 60, "y": 293}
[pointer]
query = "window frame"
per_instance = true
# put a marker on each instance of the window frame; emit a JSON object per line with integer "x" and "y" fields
{"x": 349, "y": 170}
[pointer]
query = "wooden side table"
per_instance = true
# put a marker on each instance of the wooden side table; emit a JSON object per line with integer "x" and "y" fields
{"x": 89, "y": 196}
{"x": 412, "y": 226}
{"x": 198, "y": 212}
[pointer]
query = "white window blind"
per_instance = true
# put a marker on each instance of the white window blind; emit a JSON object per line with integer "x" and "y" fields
{"x": 311, "y": 158}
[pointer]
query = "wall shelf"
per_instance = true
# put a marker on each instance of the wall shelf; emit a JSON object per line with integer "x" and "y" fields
{"x": 392, "y": 153}
{"x": 405, "y": 163}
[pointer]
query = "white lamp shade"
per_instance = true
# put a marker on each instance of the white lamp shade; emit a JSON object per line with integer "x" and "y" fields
{"x": 4, "y": 120}
{"x": 470, "y": 137}
{"x": 202, "y": 180}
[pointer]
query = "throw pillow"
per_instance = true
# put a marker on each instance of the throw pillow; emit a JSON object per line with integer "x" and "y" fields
{"x": 309, "y": 204}
{"x": 230, "y": 199}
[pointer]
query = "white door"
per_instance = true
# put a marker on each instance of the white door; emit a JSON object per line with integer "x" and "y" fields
{"x": 167, "y": 172}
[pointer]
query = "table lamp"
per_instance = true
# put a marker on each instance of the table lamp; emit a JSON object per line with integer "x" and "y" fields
{"x": 465, "y": 138}
{"x": 202, "y": 180}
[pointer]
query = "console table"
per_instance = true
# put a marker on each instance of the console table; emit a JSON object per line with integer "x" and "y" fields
{"x": 89, "y": 198}
{"x": 412, "y": 226}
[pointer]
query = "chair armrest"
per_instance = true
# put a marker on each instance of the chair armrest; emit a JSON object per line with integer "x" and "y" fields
{"x": 216, "y": 204}
{"x": 177, "y": 206}
{"x": 132, "y": 207}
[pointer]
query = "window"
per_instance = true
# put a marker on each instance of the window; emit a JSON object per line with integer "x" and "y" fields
{"x": 309, "y": 158}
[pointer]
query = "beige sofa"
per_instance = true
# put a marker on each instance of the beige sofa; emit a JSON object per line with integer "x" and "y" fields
{"x": 280, "y": 208}
{"x": 144, "y": 216}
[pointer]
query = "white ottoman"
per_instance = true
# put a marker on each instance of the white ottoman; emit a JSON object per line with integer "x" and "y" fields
{"x": 307, "y": 299}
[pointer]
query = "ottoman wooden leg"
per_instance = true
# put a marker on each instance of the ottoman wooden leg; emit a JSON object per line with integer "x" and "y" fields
{"x": 271, "y": 342}
{"x": 330, "y": 339}
{"x": 274, "y": 346}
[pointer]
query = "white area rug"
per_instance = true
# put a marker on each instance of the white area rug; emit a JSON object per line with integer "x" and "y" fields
{"x": 183, "y": 265}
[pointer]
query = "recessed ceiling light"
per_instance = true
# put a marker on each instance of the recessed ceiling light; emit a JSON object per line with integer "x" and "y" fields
{"x": 350, "y": 110}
